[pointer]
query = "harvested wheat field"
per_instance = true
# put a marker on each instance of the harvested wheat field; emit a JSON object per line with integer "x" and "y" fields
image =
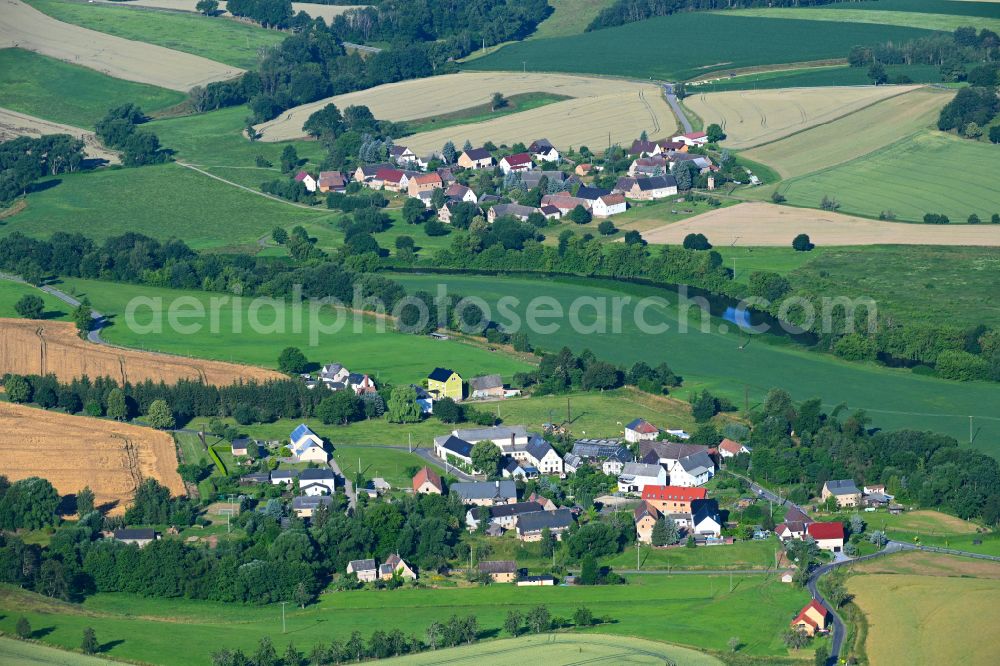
{"x": 326, "y": 12}
{"x": 599, "y": 106}
{"x": 755, "y": 117}
{"x": 25, "y": 27}
{"x": 76, "y": 451}
{"x": 764, "y": 224}
{"x": 14, "y": 124}
{"x": 855, "y": 135}
{"x": 927, "y": 619}
{"x": 40, "y": 347}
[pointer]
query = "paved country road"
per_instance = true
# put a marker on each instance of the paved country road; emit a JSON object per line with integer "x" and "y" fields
{"x": 668, "y": 89}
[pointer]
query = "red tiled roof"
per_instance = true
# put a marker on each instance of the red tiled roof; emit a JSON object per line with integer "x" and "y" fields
{"x": 612, "y": 199}
{"x": 300, "y": 176}
{"x": 424, "y": 475}
{"x": 518, "y": 158}
{"x": 674, "y": 493}
{"x": 393, "y": 175}
{"x": 695, "y": 135}
{"x": 645, "y": 427}
{"x": 731, "y": 446}
{"x": 426, "y": 179}
{"x": 826, "y": 530}
{"x": 813, "y": 604}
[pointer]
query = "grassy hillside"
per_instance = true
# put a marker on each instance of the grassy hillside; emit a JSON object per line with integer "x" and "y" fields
{"x": 899, "y": 178}
{"x": 569, "y": 17}
{"x": 226, "y": 41}
{"x": 719, "y": 360}
{"x": 390, "y": 356}
{"x": 712, "y": 42}
{"x": 879, "y": 16}
{"x": 693, "y": 610}
{"x": 69, "y": 94}
{"x": 12, "y": 292}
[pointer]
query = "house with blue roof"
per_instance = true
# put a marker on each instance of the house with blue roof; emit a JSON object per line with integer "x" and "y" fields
{"x": 307, "y": 446}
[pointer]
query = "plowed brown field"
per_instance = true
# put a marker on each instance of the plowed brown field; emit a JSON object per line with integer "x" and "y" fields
{"x": 76, "y": 451}
{"x": 42, "y": 347}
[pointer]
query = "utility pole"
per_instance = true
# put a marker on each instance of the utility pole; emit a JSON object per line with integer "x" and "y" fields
{"x": 568, "y": 414}
{"x": 746, "y": 399}
{"x": 283, "y": 616}
{"x": 730, "y": 582}
{"x": 524, "y": 64}
{"x": 637, "y": 565}
{"x": 970, "y": 430}
{"x": 409, "y": 437}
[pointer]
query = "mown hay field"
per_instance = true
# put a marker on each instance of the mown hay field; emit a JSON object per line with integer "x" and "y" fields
{"x": 40, "y": 347}
{"x": 853, "y": 135}
{"x": 14, "y": 124}
{"x": 927, "y": 619}
{"x": 76, "y": 451}
{"x": 27, "y": 28}
{"x": 898, "y": 178}
{"x": 765, "y": 224}
{"x": 599, "y": 106}
{"x": 58, "y": 91}
{"x": 910, "y": 19}
{"x": 561, "y": 650}
{"x": 34, "y": 654}
{"x": 752, "y": 118}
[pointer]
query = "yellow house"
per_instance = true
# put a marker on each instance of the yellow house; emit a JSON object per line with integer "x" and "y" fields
{"x": 444, "y": 383}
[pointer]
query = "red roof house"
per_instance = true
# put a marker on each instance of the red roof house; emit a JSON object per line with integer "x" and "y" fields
{"x": 828, "y": 536}
{"x": 427, "y": 482}
{"x": 811, "y": 618}
{"x": 672, "y": 499}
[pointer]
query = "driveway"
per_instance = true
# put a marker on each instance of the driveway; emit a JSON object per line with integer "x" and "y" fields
{"x": 668, "y": 90}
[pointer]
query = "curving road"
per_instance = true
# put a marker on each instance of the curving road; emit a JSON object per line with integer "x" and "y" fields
{"x": 668, "y": 91}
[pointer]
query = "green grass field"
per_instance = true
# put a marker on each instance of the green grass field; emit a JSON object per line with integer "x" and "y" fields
{"x": 945, "y": 285}
{"x": 569, "y": 17}
{"x": 692, "y": 610}
{"x": 159, "y": 201}
{"x": 910, "y": 19}
{"x": 889, "y": 179}
{"x": 638, "y": 50}
{"x": 715, "y": 360}
{"x": 560, "y": 650}
{"x": 740, "y": 555}
{"x": 591, "y": 415}
{"x": 389, "y": 356}
{"x": 21, "y": 653}
{"x": 11, "y": 293}
{"x": 226, "y": 41}
{"x": 70, "y": 94}
{"x": 836, "y": 75}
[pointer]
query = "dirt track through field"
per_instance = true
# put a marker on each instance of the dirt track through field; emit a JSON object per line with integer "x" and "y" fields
{"x": 755, "y": 117}
{"x": 14, "y": 124}
{"x": 40, "y": 347}
{"x": 25, "y": 27}
{"x": 764, "y": 224}
{"x": 600, "y": 106}
{"x": 76, "y": 451}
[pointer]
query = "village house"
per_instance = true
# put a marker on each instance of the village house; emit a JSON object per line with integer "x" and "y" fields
{"x": 518, "y": 211}
{"x": 361, "y": 384}
{"x": 730, "y": 449}
{"x": 477, "y": 158}
{"x": 484, "y": 493}
{"x": 393, "y": 565}
{"x": 703, "y": 164}
{"x": 550, "y": 212}
{"x": 255, "y": 478}
{"x": 532, "y": 179}
{"x": 427, "y": 482}
{"x": 795, "y": 526}
{"x": 487, "y": 386}
{"x": 544, "y": 502}
{"x": 564, "y": 202}
{"x": 531, "y": 525}
{"x": 636, "y": 476}
{"x": 447, "y": 211}
{"x": 693, "y": 470}
{"x": 459, "y": 192}
{"x": 507, "y": 438}
{"x": 305, "y": 506}
{"x": 607, "y": 454}
{"x": 499, "y": 571}
{"x": 245, "y": 447}
{"x": 647, "y": 188}
{"x": 692, "y": 138}
{"x": 307, "y": 180}
{"x": 705, "y": 519}
{"x": 583, "y": 169}
{"x": 402, "y": 155}
{"x": 828, "y": 536}
{"x": 135, "y": 536}
{"x": 365, "y": 570}
{"x": 641, "y": 430}
{"x": 331, "y": 181}
{"x": 366, "y": 173}
{"x": 427, "y": 182}
{"x": 424, "y": 399}
{"x": 672, "y": 499}
{"x": 645, "y": 515}
{"x": 318, "y": 481}
{"x": 449, "y": 447}
{"x": 539, "y": 454}
{"x": 516, "y": 163}
{"x": 511, "y": 468}
{"x": 279, "y": 476}
{"x": 609, "y": 204}
{"x": 811, "y": 619}
{"x": 445, "y": 383}
{"x": 504, "y": 515}
{"x": 392, "y": 180}
{"x": 645, "y": 167}
{"x": 844, "y": 490}
{"x": 543, "y": 151}
{"x": 668, "y": 453}
{"x": 333, "y": 374}
{"x": 536, "y": 581}
{"x": 641, "y": 147}
{"x": 306, "y": 446}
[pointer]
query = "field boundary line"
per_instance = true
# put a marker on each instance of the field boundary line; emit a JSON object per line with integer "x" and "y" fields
{"x": 248, "y": 189}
